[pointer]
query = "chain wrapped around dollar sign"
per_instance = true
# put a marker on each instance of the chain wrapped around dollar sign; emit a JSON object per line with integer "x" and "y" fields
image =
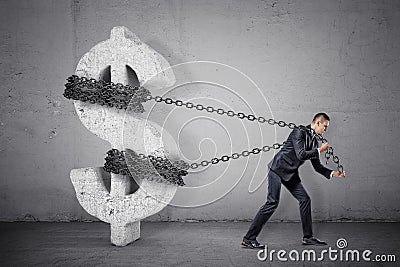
{"x": 110, "y": 94}
{"x": 171, "y": 172}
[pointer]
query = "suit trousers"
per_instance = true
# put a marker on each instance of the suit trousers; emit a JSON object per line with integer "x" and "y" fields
{"x": 296, "y": 188}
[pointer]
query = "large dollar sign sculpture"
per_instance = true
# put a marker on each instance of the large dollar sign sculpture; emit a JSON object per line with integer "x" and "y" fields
{"x": 123, "y": 211}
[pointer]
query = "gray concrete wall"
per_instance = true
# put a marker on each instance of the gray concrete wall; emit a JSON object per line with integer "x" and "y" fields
{"x": 341, "y": 57}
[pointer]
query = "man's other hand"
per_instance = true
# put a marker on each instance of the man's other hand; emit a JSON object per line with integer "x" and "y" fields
{"x": 339, "y": 174}
{"x": 324, "y": 147}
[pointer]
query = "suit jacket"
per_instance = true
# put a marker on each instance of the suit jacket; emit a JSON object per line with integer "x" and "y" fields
{"x": 299, "y": 147}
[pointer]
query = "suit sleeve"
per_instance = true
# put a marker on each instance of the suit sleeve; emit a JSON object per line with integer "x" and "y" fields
{"x": 320, "y": 168}
{"x": 298, "y": 138}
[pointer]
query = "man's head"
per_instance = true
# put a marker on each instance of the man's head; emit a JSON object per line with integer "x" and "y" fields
{"x": 320, "y": 123}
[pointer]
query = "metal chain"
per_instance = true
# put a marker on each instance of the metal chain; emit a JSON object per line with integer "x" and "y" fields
{"x": 241, "y": 115}
{"x": 329, "y": 153}
{"x": 103, "y": 93}
{"x": 126, "y": 96}
{"x": 220, "y": 111}
{"x": 245, "y": 153}
{"x": 121, "y": 162}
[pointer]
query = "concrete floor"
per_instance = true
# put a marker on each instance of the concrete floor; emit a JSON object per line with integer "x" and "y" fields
{"x": 184, "y": 244}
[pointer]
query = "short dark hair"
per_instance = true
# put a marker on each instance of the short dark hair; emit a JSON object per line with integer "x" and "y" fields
{"x": 319, "y": 115}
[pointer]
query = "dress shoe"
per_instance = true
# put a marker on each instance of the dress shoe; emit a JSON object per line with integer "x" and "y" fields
{"x": 313, "y": 241}
{"x": 252, "y": 244}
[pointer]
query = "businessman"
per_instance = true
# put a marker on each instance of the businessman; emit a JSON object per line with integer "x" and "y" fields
{"x": 300, "y": 146}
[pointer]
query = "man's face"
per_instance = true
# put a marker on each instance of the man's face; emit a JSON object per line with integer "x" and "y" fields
{"x": 321, "y": 126}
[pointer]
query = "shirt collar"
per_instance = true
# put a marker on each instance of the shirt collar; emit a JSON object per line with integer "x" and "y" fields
{"x": 311, "y": 131}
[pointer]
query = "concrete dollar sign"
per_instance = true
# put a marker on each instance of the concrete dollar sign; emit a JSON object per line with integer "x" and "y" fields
{"x": 120, "y": 55}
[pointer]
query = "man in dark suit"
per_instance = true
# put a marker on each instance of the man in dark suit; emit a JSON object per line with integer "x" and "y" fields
{"x": 300, "y": 146}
